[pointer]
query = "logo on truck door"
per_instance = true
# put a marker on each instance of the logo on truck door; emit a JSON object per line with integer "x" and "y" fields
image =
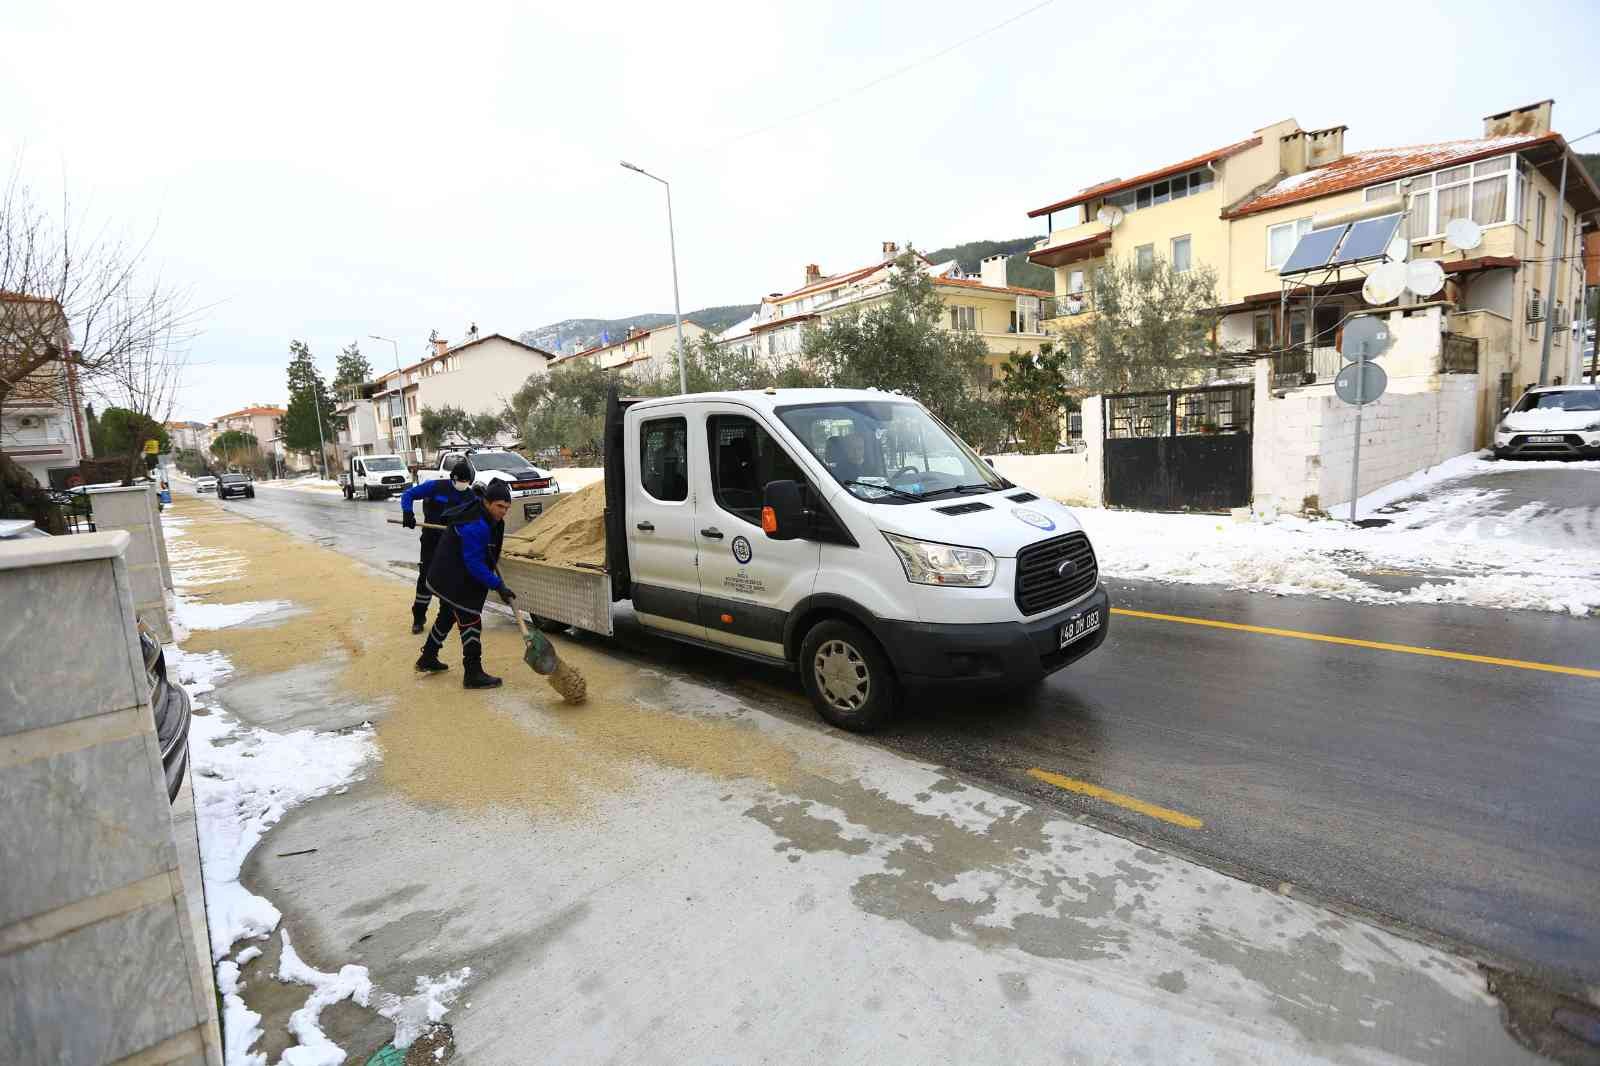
{"x": 1034, "y": 518}
{"x": 742, "y": 551}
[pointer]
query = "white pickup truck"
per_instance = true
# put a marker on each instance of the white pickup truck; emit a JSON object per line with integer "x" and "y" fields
{"x": 846, "y": 534}
{"x": 525, "y": 480}
{"x": 374, "y": 477}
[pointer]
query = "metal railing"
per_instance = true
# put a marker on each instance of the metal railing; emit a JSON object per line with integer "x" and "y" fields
{"x": 1065, "y": 306}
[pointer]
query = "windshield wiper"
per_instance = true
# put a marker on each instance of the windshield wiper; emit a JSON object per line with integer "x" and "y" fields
{"x": 931, "y": 493}
{"x": 890, "y": 489}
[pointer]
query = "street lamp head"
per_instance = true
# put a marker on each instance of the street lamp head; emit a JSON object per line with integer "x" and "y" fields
{"x": 630, "y": 166}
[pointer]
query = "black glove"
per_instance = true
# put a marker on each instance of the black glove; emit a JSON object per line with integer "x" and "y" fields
{"x": 409, "y": 521}
{"x": 506, "y": 595}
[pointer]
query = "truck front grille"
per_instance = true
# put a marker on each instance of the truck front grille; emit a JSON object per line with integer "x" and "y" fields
{"x": 1040, "y": 586}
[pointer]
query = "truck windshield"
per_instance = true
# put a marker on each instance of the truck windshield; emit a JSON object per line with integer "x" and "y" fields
{"x": 497, "y": 461}
{"x": 383, "y": 462}
{"x": 889, "y": 452}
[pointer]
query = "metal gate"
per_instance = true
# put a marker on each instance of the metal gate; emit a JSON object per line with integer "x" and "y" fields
{"x": 1180, "y": 450}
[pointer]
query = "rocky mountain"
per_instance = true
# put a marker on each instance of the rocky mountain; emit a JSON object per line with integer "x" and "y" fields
{"x": 576, "y": 334}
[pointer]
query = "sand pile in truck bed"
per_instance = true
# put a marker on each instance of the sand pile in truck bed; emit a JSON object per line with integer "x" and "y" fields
{"x": 573, "y": 531}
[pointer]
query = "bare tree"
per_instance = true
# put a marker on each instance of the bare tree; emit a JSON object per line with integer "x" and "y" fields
{"x": 79, "y": 315}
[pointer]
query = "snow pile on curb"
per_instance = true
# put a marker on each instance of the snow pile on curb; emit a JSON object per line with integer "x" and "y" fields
{"x": 351, "y": 982}
{"x": 1468, "y": 551}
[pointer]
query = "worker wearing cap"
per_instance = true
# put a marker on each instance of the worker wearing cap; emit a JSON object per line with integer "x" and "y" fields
{"x": 462, "y": 575}
{"x": 439, "y": 497}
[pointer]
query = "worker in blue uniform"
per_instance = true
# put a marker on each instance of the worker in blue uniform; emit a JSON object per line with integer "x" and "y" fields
{"x": 439, "y": 497}
{"x": 462, "y": 575}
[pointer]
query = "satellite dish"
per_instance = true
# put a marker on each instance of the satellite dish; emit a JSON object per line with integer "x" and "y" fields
{"x": 1364, "y": 337}
{"x": 1384, "y": 284}
{"x": 1109, "y": 215}
{"x": 1424, "y": 277}
{"x": 1464, "y": 233}
{"x": 1398, "y": 251}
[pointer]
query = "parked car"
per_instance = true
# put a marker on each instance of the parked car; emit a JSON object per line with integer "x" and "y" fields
{"x": 1551, "y": 422}
{"x": 205, "y": 483}
{"x": 238, "y": 485}
{"x": 19, "y": 529}
{"x": 170, "y": 703}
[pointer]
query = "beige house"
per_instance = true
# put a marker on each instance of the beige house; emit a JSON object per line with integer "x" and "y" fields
{"x": 193, "y": 436}
{"x": 1008, "y": 318}
{"x": 479, "y": 375}
{"x": 643, "y": 352}
{"x": 1243, "y": 209}
{"x": 42, "y": 427}
{"x": 265, "y": 423}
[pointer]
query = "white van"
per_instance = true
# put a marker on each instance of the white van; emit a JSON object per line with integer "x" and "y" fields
{"x": 845, "y": 533}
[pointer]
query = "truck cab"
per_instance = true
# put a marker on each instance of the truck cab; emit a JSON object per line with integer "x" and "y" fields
{"x": 847, "y": 534}
{"x": 374, "y": 477}
{"x": 527, "y": 483}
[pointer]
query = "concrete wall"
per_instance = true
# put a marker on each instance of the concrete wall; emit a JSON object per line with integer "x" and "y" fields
{"x": 132, "y": 509}
{"x": 96, "y": 965}
{"x": 1070, "y": 477}
{"x": 1305, "y": 440}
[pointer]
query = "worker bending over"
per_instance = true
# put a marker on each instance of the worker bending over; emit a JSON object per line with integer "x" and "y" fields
{"x": 439, "y": 497}
{"x": 461, "y": 575}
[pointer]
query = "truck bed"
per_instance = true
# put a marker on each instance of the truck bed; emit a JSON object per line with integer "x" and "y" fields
{"x": 575, "y": 595}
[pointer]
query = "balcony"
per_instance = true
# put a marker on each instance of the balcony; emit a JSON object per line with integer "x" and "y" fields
{"x": 1069, "y": 306}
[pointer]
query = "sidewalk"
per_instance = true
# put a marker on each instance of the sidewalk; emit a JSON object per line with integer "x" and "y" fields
{"x": 669, "y": 874}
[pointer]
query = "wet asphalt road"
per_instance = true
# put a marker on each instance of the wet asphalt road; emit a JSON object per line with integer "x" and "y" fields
{"x": 1456, "y": 798}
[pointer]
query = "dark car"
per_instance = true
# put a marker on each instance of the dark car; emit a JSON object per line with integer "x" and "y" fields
{"x": 235, "y": 485}
{"x": 171, "y": 705}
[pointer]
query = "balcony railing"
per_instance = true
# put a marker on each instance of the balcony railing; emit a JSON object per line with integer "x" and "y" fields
{"x": 1064, "y": 306}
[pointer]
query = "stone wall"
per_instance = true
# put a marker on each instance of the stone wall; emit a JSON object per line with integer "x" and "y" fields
{"x": 133, "y": 509}
{"x": 96, "y": 965}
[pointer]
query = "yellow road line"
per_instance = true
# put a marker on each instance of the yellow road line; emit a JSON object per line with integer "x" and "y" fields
{"x": 1084, "y": 788}
{"x": 1376, "y": 645}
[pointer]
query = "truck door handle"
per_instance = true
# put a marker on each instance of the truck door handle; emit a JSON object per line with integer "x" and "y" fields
{"x": 646, "y": 527}
{"x": 712, "y": 532}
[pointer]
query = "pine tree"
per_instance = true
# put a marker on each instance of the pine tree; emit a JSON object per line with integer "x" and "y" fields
{"x": 306, "y": 388}
{"x": 352, "y": 369}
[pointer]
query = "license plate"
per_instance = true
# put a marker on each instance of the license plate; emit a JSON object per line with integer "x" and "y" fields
{"x": 1079, "y": 626}
{"x": 1546, "y": 438}
{"x": 529, "y": 510}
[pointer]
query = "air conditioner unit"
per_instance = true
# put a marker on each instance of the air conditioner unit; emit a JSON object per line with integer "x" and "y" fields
{"x": 1535, "y": 309}
{"x": 29, "y": 422}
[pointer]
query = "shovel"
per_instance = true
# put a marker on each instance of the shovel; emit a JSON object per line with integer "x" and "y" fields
{"x": 538, "y": 652}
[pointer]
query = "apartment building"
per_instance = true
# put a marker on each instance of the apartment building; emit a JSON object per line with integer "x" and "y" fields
{"x": 1243, "y": 209}
{"x": 42, "y": 427}
{"x": 479, "y": 375}
{"x": 643, "y": 352}
{"x": 1007, "y": 317}
{"x": 263, "y": 422}
{"x": 191, "y": 436}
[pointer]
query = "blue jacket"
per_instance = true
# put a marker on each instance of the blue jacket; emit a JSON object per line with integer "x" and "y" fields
{"x": 438, "y": 497}
{"x": 462, "y": 572}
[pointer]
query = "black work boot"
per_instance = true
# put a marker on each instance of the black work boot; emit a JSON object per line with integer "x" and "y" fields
{"x": 474, "y": 677}
{"x": 428, "y": 662}
{"x": 419, "y": 618}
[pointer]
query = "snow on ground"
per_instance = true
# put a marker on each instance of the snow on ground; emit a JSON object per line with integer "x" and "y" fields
{"x": 302, "y": 484}
{"x": 1466, "y": 549}
{"x": 573, "y": 478}
{"x": 245, "y": 780}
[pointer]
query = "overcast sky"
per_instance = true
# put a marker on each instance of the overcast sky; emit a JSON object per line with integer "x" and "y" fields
{"x": 331, "y": 170}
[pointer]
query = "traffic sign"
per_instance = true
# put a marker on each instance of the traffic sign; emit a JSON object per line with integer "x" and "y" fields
{"x": 152, "y": 447}
{"x": 1365, "y": 337}
{"x": 1372, "y": 382}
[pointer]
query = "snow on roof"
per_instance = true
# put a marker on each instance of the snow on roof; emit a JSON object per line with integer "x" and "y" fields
{"x": 1358, "y": 169}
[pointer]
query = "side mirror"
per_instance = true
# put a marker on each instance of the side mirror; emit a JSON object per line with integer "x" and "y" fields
{"x": 782, "y": 514}
{"x": 1505, "y": 410}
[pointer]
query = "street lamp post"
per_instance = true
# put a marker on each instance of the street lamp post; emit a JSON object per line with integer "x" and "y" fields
{"x": 672, "y": 245}
{"x": 405, "y": 431}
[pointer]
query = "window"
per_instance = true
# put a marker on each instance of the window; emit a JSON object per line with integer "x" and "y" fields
{"x": 1075, "y": 281}
{"x": 772, "y": 345}
{"x": 1144, "y": 257}
{"x": 1282, "y": 238}
{"x": 986, "y": 374}
{"x": 1181, "y": 254}
{"x": 1561, "y": 232}
{"x": 664, "y": 459}
{"x": 1481, "y": 192}
{"x": 1156, "y": 193}
{"x": 1297, "y": 329}
{"x": 1266, "y": 331}
{"x": 1538, "y": 220}
{"x": 744, "y": 457}
{"x": 964, "y": 319}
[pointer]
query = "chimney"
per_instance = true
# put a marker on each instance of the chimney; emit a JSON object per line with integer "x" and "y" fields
{"x": 813, "y": 273}
{"x": 1324, "y": 146}
{"x": 440, "y": 346}
{"x": 1531, "y": 119}
{"x": 993, "y": 271}
{"x": 1292, "y": 152}
{"x": 890, "y": 249}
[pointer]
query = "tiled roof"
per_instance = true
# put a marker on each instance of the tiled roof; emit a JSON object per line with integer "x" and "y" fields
{"x": 1106, "y": 188}
{"x": 1358, "y": 169}
{"x": 275, "y": 412}
{"x": 833, "y": 280}
{"x": 972, "y": 283}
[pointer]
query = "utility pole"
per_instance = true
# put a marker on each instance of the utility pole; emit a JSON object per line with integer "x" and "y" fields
{"x": 405, "y": 429}
{"x": 322, "y": 445}
{"x": 672, "y": 246}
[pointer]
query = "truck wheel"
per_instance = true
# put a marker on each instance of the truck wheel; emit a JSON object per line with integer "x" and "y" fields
{"x": 847, "y": 676}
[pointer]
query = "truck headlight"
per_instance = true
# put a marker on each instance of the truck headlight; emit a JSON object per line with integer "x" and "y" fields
{"x": 928, "y": 563}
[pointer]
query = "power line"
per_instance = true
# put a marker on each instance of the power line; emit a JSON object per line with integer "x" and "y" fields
{"x": 875, "y": 82}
